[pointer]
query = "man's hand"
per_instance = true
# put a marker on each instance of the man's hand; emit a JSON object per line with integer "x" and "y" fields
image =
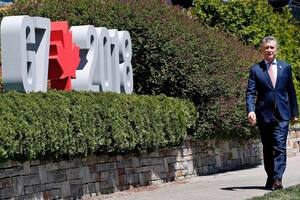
{"x": 295, "y": 120}
{"x": 252, "y": 118}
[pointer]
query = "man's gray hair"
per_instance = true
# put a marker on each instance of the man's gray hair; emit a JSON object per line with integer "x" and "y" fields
{"x": 268, "y": 39}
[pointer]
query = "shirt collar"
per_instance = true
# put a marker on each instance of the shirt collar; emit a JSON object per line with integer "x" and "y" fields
{"x": 274, "y": 62}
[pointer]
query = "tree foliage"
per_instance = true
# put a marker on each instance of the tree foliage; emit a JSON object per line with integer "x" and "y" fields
{"x": 251, "y": 21}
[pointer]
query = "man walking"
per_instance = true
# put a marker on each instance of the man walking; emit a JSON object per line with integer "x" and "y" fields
{"x": 272, "y": 103}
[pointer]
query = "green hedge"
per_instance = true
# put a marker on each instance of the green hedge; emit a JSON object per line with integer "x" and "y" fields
{"x": 251, "y": 21}
{"x": 68, "y": 124}
{"x": 172, "y": 55}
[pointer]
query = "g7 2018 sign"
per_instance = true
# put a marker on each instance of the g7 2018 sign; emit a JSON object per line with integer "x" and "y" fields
{"x": 35, "y": 51}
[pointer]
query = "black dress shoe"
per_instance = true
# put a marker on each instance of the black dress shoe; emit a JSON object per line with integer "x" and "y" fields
{"x": 277, "y": 185}
{"x": 269, "y": 184}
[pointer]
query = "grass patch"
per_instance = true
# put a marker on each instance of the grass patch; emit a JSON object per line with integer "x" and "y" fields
{"x": 290, "y": 193}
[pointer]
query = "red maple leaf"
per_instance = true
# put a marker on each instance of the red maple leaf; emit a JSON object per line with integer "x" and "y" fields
{"x": 63, "y": 58}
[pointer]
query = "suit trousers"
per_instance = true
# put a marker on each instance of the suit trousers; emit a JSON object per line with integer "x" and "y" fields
{"x": 273, "y": 137}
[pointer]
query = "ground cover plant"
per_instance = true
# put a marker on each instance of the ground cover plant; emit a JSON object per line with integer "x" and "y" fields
{"x": 290, "y": 193}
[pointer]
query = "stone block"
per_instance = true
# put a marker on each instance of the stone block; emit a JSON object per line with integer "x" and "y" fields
{"x": 65, "y": 189}
{"x": 56, "y": 176}
{"x": 113, "y": 179}
{"x": 190, "y": 168}
{"x": 292, "y": 134}
{"x": 170, "y": 159}
{"x": 121, "y": 180}
{"x": 159, "y": 168}
{"x": 28, "y": 189}
{"x": 26, "y": 167}
{"x": 73, "y": 173}
{"x": 97, "y": 188}
{"x": 156, "y": 182}
{"x": 235, "y": 154}
{"x": 105, "y": 166}
{"x": 11, "y": 172}
{"x": 35, "y": 162}
{"x": 86, "y": 190}
{"x": 178, "y": 166}
{"x": 143, "y": 169}
{"x": 75, "y": 163}
{"x": 32, "y": 179}
{"x": 168, "y": 152}
{"x": 151, "y": 161}
{"x": 52, "y": 194}
{"x": 84, "y": 174}
{"x": 10, "y": 164}
{"x": 161, "y": 175}
{"x": 295, "y": 145}
{"x": 42, "y": 173}
{"x": 76, "y": 190}
{"x": 53, "y": 185}
{"x": 142, "y": 180}
{"x": 130, "y": 170}
{"x": 92, "y": 168}
{"x": 75, "y": 182}
{"x": 121, "y": 171}
{"x": 154, "y": 154}
{"x": 131, "y": 179}
{"x": 179, "y": 173}
{"x": 124, "y": 164}
{"x": 152, "y": 176}
{"x": 218, "y": 161}
{"x": 90, "y": 160}
{"x": 135, "y": 162}
{"x": 96, "y": 177}
{"x": 39, "y": 196}
{"x": 65, "y": 164}
{"x": 51, "y": 166}
{"x": 6, "y": 182}
{"x": 106, "y": 190}
{"x": 204, "y": 170}
{"x": 18, "y": 185}
{"x": 30, "y": 197}
{"x": 34, "y": 169}
{"x": 6, "y": 193}
{"x": 104, "y": 185}
{"x": 39, "y": 188}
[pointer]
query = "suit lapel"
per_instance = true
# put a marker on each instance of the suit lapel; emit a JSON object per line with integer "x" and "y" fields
{"x": 279, "y": 70}
{"x": 266, "y": 74}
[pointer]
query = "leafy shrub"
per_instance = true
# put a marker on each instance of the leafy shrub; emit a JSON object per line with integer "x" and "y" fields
{"x": 61, "y": 124}
{"x": 172, "y": 55}
{"x": 252, "y": 20}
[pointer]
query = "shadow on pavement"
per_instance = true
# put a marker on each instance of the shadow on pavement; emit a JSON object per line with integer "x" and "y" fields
{"x": 244, "y": 188}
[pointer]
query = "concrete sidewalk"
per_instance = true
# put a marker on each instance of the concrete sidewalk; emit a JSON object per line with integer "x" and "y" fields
{"x": 234, "y": 185}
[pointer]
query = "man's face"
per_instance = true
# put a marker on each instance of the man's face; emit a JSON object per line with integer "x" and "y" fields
{"x": 269, "y": 50}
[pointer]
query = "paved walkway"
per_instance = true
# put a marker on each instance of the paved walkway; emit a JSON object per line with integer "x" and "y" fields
{"x": 234, "y": 185}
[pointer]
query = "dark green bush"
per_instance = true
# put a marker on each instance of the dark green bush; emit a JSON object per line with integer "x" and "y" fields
{"x": 172, "y": 54}
{"x": 61, "y": 124}
{"x": 251, "y": 21}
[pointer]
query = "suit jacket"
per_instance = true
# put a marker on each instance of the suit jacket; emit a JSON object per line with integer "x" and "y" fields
{"x": 264, "y": 99}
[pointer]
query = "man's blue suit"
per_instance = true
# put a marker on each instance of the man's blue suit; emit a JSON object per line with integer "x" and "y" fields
{"x": 274, "y": 107}
{"x": 283, "y": 95}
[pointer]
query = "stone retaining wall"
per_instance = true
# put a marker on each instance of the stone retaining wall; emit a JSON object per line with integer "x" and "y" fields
{"x": 293, "y": 141}
{"x": 101, "y": 174}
